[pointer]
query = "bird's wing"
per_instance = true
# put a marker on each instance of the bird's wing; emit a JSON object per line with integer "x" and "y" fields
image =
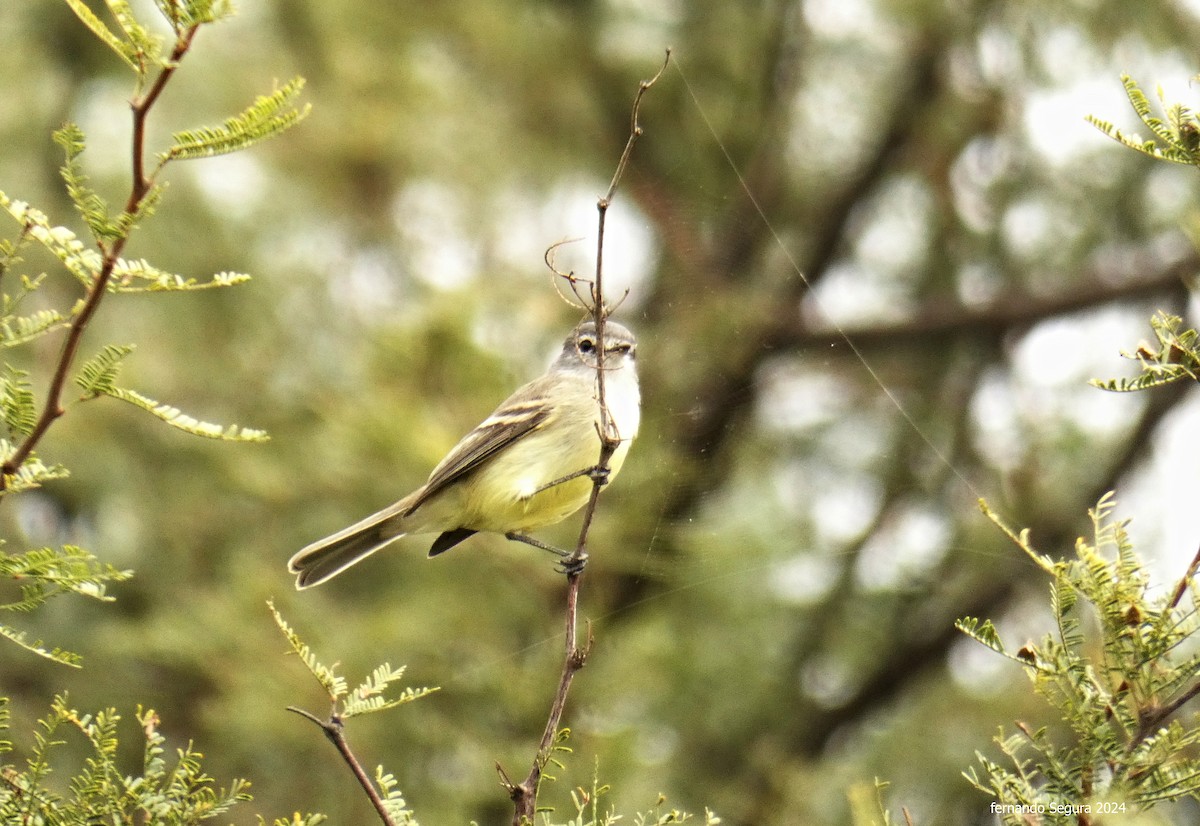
{"x": 523, "y": 413}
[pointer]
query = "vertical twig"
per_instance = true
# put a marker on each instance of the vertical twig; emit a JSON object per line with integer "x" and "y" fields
{"x": 524, "y": 794}
{"x": 52, "y": 407}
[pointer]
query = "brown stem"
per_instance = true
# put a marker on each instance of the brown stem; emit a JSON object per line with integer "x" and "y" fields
{"x": 141, "y": 185}
{"x": 1153, "y": 718}
{"x": 1181, "y": 588}
{"x": 334, "y": 731}
{"x": 52, "y": 408}
{"x": 524, "y": 794}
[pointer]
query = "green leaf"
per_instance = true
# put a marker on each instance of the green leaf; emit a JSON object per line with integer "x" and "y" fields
{"x": 296, "y": 819}
{"x": 1176, "y": 139}
{"x": 98, "y": 374}
{"x": 139, "y": 276}
{"x": 124, "y": 50}
{"x": 38, "y": 647}
{"x": 31, "y": 474}
{"x": 368, "y": 696}
{"x": 49, "y": 572}
{"x": 1175, "y": 356}
{"x": 268, "y": 116}
{"x": 393, "y": 799}
{"x": 82, "y": 262}
{"x": 982, "y": 632}
{"x": 183, "y": 14}
{"x": 180, "y": 420}
{"x": 145, "y": 45}
{"x": 334, "y": 685}
{"x": 97, "y": 377}
{"x": 16, "y": 330}
{"x": 16, "y": 402}
{"x": 88, "y": 203}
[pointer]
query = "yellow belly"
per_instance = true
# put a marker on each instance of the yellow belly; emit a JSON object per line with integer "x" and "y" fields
{"x": 509, "y": 493}
{"x": 512, "y": 491}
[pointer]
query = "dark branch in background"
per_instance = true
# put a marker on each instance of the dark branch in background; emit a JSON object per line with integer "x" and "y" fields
{"x": 52, "y": 409}
{"x": 727, "y": 392}
{"x": 936, "y": 326}
{"x": 524, "y": 794}
{"x": 907, "y": 662}
{"x": 334, "y": 731}
{"x": 912, "y": 657}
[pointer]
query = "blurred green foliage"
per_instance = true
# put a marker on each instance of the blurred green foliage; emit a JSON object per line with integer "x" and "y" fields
{"x": 775, "y": 577}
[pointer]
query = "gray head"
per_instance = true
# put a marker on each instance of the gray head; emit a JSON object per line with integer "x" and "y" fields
{"x": 581, "y": 347}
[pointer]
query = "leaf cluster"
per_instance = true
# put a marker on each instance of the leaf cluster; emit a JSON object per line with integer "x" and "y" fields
{"x": 1176, "y": 139}
{"x": 371, "y": 695}
{"x": 133, "y": 42}
{"x": 1117, "y": 667}
{"x": 585, "y": 803}
{"x": 44, "y": 573}
{"x": 367, "y": 697}
{"x": 267, "y": 116}
{"x": 1174, "y": 355}
{"x": 29, "y": 404}
{"x": 167, "y": 789}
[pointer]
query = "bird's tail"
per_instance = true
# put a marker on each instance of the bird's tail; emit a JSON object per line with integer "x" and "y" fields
{"x": 328, "y": 557}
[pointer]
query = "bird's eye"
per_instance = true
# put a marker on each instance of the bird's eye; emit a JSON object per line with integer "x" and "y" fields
{"x": 587, "y": 345}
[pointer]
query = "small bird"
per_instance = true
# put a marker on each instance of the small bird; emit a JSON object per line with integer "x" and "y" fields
{"x": 529, "y": 464}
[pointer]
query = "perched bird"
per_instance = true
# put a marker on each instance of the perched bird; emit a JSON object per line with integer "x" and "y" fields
{"x": 527, "y": 465}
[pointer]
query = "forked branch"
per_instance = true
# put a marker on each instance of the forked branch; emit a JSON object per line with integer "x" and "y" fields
{"x": 334, "y": 731}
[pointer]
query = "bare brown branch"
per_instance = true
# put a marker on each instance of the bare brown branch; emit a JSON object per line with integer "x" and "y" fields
{"x": 334, "y": 730}
{"x": 524, "y": 794}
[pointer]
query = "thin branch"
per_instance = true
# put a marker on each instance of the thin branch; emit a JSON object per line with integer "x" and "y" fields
{"x": 52, "y": 409}
{"x": 635, "y": 132}
{"x": 334, "y": 730}
{"x": 524, "y": 794}
{"x": 1181, "y": 588}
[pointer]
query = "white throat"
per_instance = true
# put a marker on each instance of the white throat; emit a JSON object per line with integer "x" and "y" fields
{"x": 623, "y": 399}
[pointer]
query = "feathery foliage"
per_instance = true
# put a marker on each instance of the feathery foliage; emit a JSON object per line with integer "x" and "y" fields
{"x": 1119, "y": 665}
{"x": 97, "y": 377}
{"x": 44, "y": 573}
{"x": 1176, "y": 353}
{"x": 368, "y": 697}
{"x": 99, "y": 270}
{"x": 1175, "y": 356}
{"x": 268, "y": 116}
{"x": 169, "y": 791}
{"x": 587, "y": 811}
{"x": 140, "y": 276}
{"x": 137, "y": 48}
{"x": 91, "y": 207}
{"x": 31, "y": 474}
{"x": 1177, "y": 139}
